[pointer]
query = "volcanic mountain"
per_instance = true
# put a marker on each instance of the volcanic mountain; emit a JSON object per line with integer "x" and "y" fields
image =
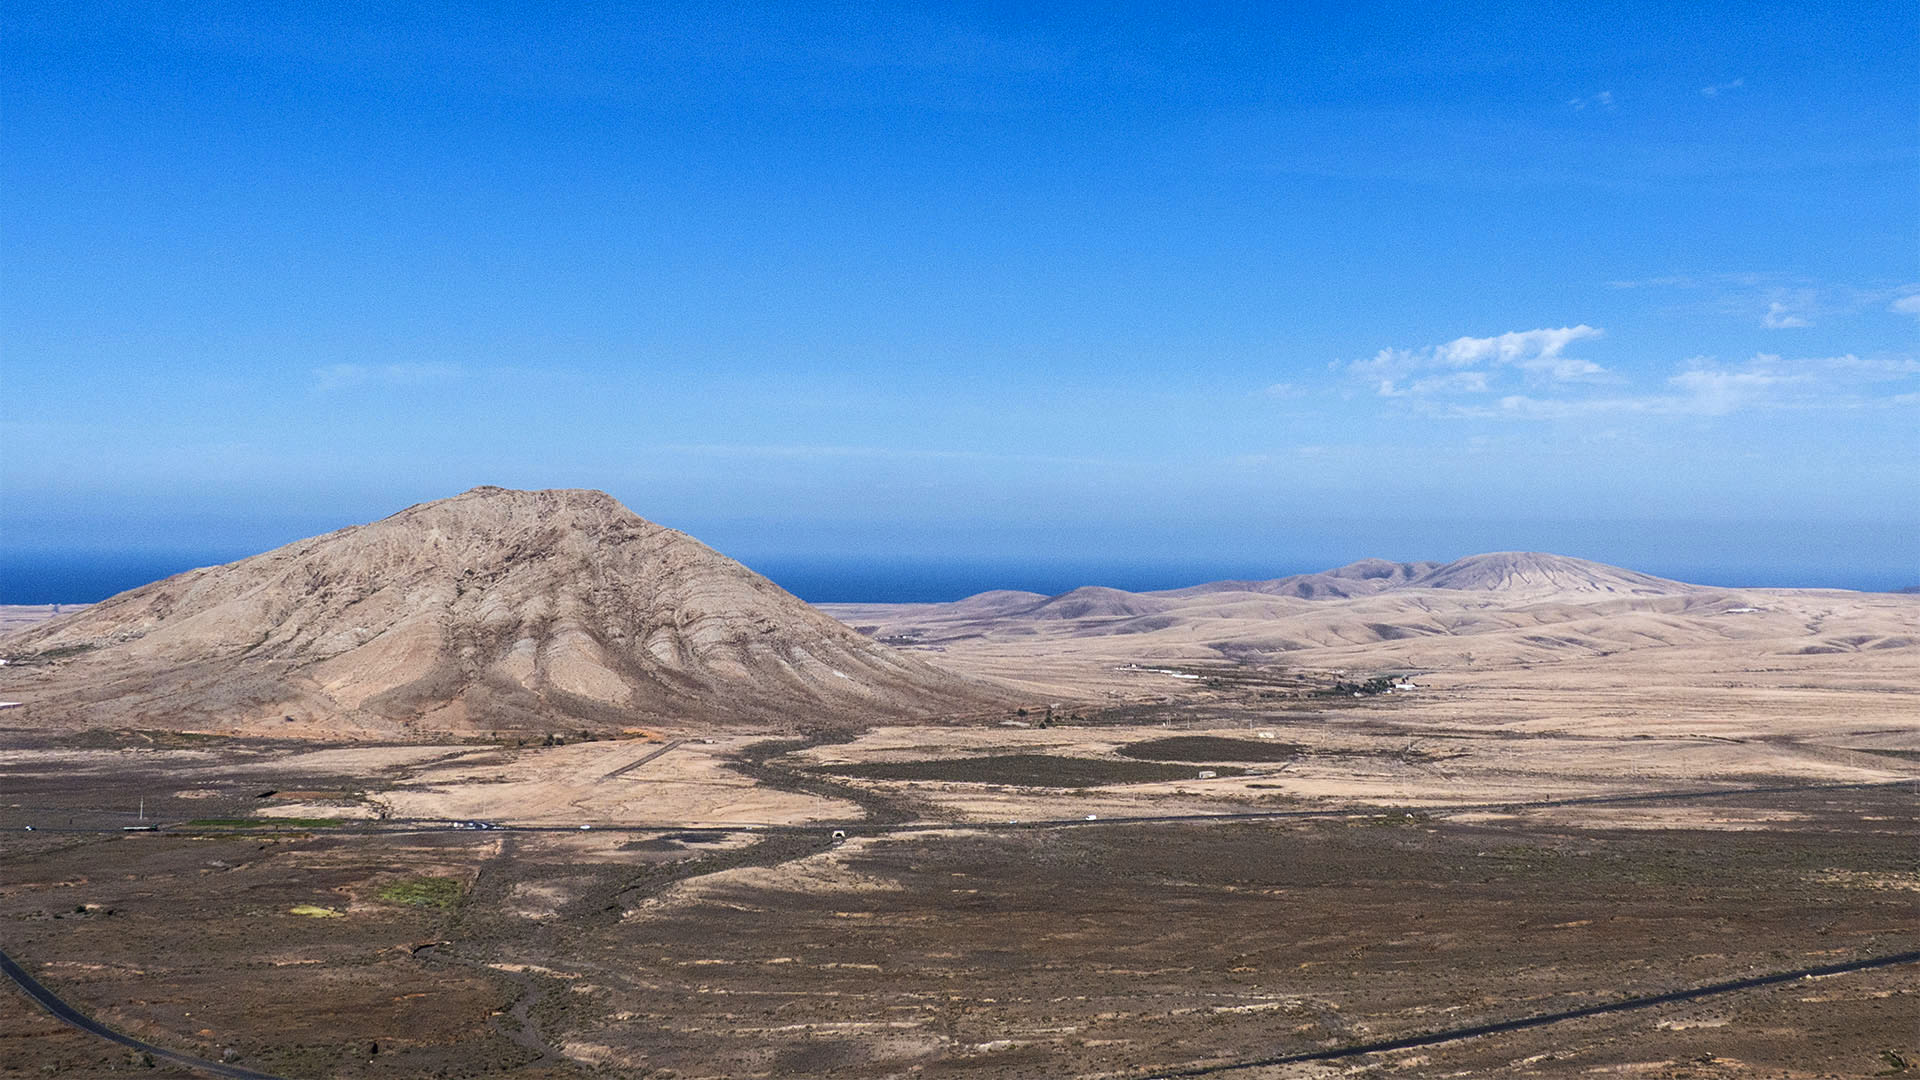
{"x": 1527, "y": 606}
{"x": 494, "y": 610}
{"x": 1363, "y": 578}
{"x": 1537, "y": 572}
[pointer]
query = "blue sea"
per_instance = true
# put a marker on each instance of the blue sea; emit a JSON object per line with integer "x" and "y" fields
{"x": 77, "y": 578}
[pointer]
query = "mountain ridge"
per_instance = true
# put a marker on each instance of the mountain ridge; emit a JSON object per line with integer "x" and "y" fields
{"x": 490, "y": 610}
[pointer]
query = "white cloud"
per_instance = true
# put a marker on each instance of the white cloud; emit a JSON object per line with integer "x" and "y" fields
{"x": 343, "y": 376}
{"x": 1720, "y": 88}
{"x": 819, "y": 452}
{"x": 1467, "y": 364}
{"x": 1528, "y": 374}
{"x": 1601, "y": 100}
{"x": 1710, "y": 391}
{"x": 1706, "y": 387}
{"x": 1458, "y": 382}
{"x": 1697, "y": 392}
{"x": 1780, "y": 317}
{"x": 1285, "y": 390}
{"x": 1540, "y": 351}
{"x": 1781, "y": 301}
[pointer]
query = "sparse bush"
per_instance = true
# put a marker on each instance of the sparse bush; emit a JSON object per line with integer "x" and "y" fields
{"x": 433, "y": 892}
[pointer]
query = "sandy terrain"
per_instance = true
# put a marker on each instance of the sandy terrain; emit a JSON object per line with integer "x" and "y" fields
{"x": 1413, "y": 733}
{"x": 15, "y": 617}
{"x": 1088, "y": 950}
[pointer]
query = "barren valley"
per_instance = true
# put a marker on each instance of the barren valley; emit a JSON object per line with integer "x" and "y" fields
{"x": 1346, "y": 823}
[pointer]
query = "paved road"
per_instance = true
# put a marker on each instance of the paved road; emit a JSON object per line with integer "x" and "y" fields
{"x": 75, "y": 1018}
{"x": 1543, "y": 1019}
{"x": 72, "y": 1016}
{"x": 643, "y": 759}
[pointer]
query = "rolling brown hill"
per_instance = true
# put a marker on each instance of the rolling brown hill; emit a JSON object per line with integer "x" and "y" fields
{"x": 1363, "y": 578}
{"x": 494, "y": 610}
{"x": 1503, "y": 609}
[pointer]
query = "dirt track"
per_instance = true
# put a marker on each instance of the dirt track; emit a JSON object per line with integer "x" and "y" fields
{"x": 1128, "y": 947}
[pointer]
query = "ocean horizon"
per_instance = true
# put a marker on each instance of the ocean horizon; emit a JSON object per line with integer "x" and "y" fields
{"x": 85, "y": 578}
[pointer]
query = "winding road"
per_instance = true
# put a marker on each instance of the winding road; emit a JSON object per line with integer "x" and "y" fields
{"x": 73, "y": 1017}
{"x": 1497, "y": 1027}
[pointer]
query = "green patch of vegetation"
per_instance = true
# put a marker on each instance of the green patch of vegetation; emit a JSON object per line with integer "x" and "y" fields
{"x": 315, "y": 911}
{"x": 264, "y": 823}
{"x": 433, "y": 892}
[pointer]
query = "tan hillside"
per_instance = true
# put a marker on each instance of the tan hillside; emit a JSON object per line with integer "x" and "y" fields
{"x": 1532, "y": 571}
{"x": 1506, "y": 609}
{"x": 1096, "y": 602}
{"x": 1363, "y": 578}
{"x": 493, "y": 610}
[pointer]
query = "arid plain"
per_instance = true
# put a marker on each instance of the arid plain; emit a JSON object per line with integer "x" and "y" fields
{"x": 519, "y": 785}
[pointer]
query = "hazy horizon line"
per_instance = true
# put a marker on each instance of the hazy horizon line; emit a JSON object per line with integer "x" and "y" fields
{"x": 89, "y": 577}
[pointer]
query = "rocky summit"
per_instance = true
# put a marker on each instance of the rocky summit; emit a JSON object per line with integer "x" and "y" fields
{"x": 492, "y": 611}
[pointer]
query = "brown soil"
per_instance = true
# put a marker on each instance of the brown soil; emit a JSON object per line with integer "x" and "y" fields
{"x": 1091, "y": 950}
{"x": 1212, "y": 748}
{"x": 1028, "y": 770}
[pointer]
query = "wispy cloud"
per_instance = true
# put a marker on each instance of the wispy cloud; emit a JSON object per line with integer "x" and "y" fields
{"x": 1706, "y": 387}
{"x": 1473, "y": 364}
{"x": 1702, "y": 391}
{"x": 1906, "y": 305}
{"x": 1458, "y": 382}
{"x": 1709, "y": 390}
{"x": 1721, "y": 88}
{"x": 1601, "y": 100}
{"x": 817, "y": 452}
{"x": 1780, "y": 301}
{"x": 1747, "y": 279}
{"x": 1529, "y": 375}
{"x": 1780, "y": 317}
{"x": 347, "y": 376}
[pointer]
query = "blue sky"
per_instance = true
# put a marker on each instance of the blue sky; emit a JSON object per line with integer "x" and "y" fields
{"x": 1259, "y": 288}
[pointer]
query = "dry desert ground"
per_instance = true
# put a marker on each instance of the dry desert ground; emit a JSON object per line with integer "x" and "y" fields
{"x": 1220, "y": 832}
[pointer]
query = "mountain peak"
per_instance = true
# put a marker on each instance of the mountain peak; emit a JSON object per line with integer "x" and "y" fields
{"x": 494, "y": 609}
{"x": 1534, "y": 571}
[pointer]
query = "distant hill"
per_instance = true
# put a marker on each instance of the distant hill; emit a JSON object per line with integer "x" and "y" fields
{"x": 1000, "y": 602}
{"x": 492, "y": 610}
{"x": 1371, "y": 611}
{"x": 1363, "y": 578}
{"x": 1097, "y": 602}
{"x": 1532, "y": 571}
{"x": 1501, "y": 571}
